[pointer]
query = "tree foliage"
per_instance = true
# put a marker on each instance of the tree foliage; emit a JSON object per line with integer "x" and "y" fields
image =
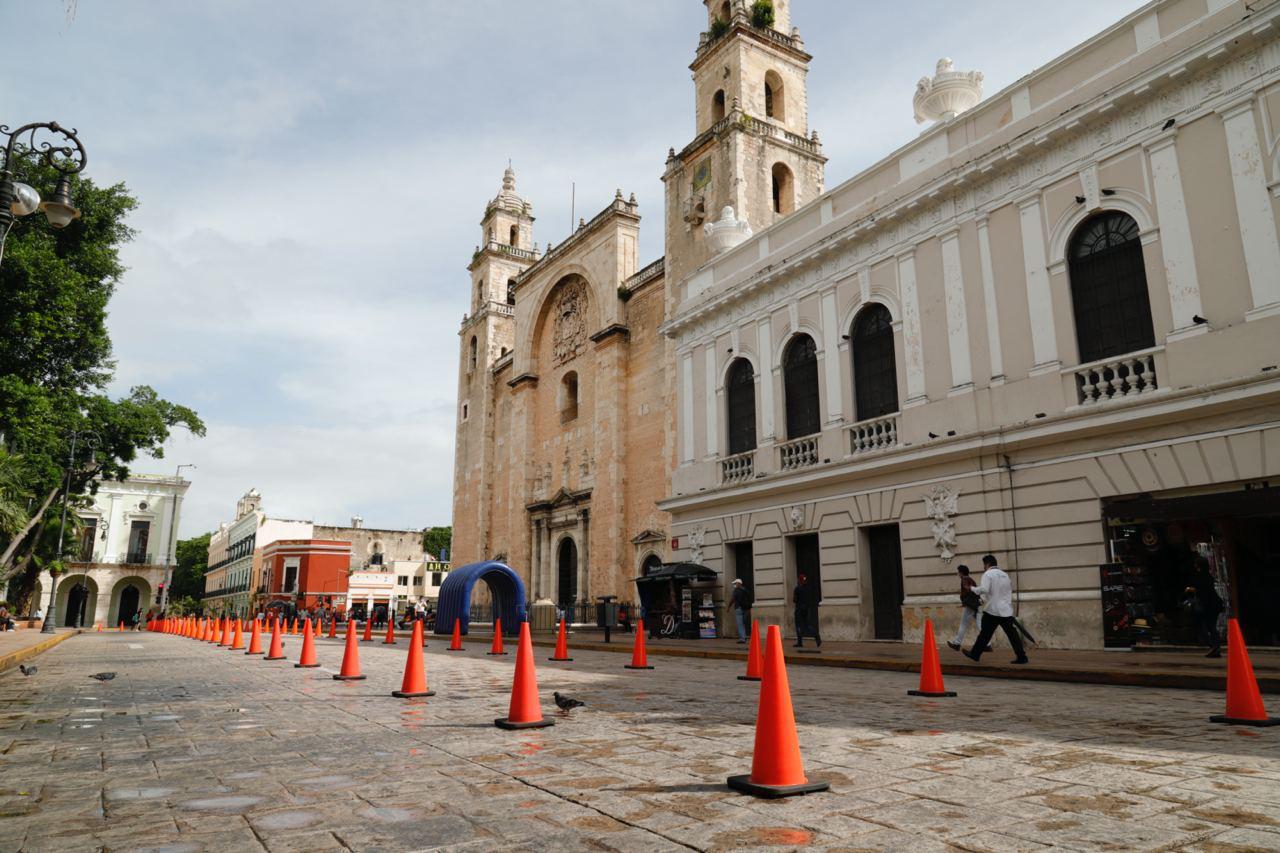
{"x": 55, "y": 363}
{"x": 193, "y": 562}
{"x": 436, "y": 540}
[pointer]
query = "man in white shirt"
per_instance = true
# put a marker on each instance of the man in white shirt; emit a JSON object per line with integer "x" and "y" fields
{"x": 997, "y": 596}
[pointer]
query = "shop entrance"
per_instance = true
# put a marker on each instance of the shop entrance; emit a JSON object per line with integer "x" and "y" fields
{"x": 1155, "y": 544}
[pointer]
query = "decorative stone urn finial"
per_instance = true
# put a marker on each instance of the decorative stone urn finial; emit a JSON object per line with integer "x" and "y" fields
{"x": 947, "y": 94}
{"x": 727, "y": 232}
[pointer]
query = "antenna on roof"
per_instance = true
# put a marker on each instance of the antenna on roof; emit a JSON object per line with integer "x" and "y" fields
{"x": 573, "y": 200}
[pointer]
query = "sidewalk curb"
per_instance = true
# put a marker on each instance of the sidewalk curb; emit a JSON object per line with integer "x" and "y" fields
{"x": 1146, "y": 678}
{"x": 9, "y": 661}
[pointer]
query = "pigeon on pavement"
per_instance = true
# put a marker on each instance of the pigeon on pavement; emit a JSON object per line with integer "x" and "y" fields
{"x": 28, "y": 671}
{"x": 103, "y": 676}
{"x": 567, "y": 703}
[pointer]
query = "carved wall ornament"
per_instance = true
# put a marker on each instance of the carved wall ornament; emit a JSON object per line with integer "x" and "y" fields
{"x": 695, "y": 544}
{"x": 941, "y": 505}
{"x": 797, "y": 518}
{"x": 569, "y": 337}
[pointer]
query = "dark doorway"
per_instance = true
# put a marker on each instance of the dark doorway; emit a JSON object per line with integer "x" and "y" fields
{"x": 567, "y": 589}
{"x": 77, "y": 600}
{"x": 651, "y": 562}
{"x": 886, "y": 580}
{"x": 804, "y": 550}
{"x": 128, "y": 605}
{"x": 744, "y": 565}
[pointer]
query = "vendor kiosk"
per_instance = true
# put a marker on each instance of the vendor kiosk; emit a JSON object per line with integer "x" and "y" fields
{"x": 678, "y": 600}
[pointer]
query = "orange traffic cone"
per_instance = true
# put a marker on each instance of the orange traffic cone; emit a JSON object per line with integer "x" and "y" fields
{"x": 368, "y": 631}
{"x": 99, "y": 627}
{"x": 930, "y": 670}
{"x": 390, "y": 639}
{"x": 414, "y": 683}
{"x": 317, "y": 627}
{"x": 350, "y": 658}
{"x": 120, "y": 627}
{"x": 1244, "y": 701}
{"x": 525, "y": 711}
{"x": 308, "y": 657}
{"x": 333, "y": 627}
{"x": 562, "y": 645}
{"x": 496, "y": 648}
{"x": 294, "y": 626}
{"x": 238, "y": 642}
{"x": 255, "y": 638}
{"x": 456, "y": 644}
{"x": 215, "y": 636}
{"x": 755, "y": 661}
{"x": 639, "y": 657}
{"x": 776, "y": 767}
{"x": 276, "y": 652}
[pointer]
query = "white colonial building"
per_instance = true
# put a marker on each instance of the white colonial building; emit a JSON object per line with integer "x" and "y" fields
{"x": 126, "y": 548}
{"x": 1048, "y": 328}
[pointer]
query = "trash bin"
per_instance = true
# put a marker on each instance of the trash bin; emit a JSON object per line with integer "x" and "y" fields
{"x": 606, "y": 614}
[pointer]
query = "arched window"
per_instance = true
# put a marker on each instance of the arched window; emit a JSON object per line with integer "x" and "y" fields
{"x": 651, "y": 564}
{"x": 800, "y": 386}
{"x": 725, "y": 14}
{"x": 514, "y": 239}
{"x": 511, "y": 291}
{"x": 471, "y": 361}
{"x": 875, "y": 371}
{"x": 740, "y": 400}
{"x": 774, "y": 104}
{"x": 1109, "y": 287}
{"x": 717, "y": 106}
{"x": 568, "y": 397}
{"x": 784, "y": 200}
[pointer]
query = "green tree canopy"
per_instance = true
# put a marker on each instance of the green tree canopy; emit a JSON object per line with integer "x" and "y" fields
{"x": 193, "y": 562}
{"x": 436, "y": 540}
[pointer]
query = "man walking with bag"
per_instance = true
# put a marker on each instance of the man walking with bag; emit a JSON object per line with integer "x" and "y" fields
{"x": 997, "y": 591}
{"x": 970, "y": 607}
{"x": 740, "y": 603}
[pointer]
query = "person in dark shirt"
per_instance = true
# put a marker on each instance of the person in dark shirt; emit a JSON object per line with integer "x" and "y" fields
{"x": 805, "y": 599}
{"x": 740, "y": 603}
{"x": 1206, "y": 606}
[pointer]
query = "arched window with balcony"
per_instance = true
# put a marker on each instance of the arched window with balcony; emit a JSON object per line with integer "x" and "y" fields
{"x": 474, "y": 351}
{"x": 740, "y": 405}
{"x": 717, "y": 106}
{"x": 800, "y": 386}
{"x": 568, "y": 402}
{"x": 1109, "y": 295}
{"x": 784, "y": 198}
{"x": 875, "y": 368}
{"x": 774, "y": 105}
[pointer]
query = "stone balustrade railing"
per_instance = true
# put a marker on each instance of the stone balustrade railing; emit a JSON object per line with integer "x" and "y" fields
{"x": 874, "y": 434}
{"x": 1116, "y": 379}
{"x": 798, "y": 453}
{"x": 738, "y": 468}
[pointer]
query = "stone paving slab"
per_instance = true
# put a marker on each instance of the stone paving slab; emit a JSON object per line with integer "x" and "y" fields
{"x": 192, "y": 747}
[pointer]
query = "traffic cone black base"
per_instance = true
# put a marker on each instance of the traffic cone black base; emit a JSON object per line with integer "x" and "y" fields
{"x": 305, "y": 665}
{"x": 348, "y": 678}
{"x": 268, "y": 657}
{"x": 748, "y": 678}
{"x": 495, "y": 653}
{"x": 744, "y": 784}
{"x": 1235, "y": 721}
{"x": 400, "y": 694}
{"x": 931, "y": 695}
{"x": 560, "y": 660}
{"x": 504, "y": 723}
{"x": 629, "y": 666}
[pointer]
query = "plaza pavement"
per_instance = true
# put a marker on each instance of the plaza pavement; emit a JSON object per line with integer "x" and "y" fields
{"x": 192, "y": 747}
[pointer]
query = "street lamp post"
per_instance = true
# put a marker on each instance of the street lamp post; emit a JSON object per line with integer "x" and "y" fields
{"x": 18, "y": 199}
{"x": 51, "y": 615}
{"x": 172, "y": 559}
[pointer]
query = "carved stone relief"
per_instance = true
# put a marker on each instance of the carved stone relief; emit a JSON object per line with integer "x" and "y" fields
{"x": 941, "y": 505}
{"x": 695, "y": 544}
{"x": 569, "y": 336}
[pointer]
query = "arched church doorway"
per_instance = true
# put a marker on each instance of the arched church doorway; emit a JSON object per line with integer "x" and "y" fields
{"x": 79, "y": 600}
{"x": 651, "y": 563}
{"x": 567, "y": 587}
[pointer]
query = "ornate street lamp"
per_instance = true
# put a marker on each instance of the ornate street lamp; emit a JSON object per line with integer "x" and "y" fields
{"x": 18, "y": 199}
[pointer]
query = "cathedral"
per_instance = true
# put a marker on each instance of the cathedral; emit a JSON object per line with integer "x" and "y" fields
{"x": 566, "y": 386}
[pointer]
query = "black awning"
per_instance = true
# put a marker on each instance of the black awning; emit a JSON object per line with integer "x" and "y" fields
{"x": 679, "y": 571}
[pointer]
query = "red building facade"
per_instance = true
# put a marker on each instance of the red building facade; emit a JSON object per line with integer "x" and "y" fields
{"x": 307, "y": 573}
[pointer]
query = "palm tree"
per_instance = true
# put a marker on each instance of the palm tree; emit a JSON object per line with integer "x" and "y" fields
{"x": 13, "y": 494}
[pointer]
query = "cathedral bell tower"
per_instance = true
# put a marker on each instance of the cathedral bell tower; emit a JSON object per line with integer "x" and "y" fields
{"x": 753, "y": 149}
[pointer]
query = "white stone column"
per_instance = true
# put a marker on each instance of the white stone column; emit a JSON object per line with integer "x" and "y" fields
{"x": 989, "y": 301}
{"x": 1175, "y": 237}
{"x": 1044, "y": 339}
{"x": 713, "y": 422}
{"x": 764, "y": 376}
{"x": 957, "y": 318}
{"x": 913, "y": 346}
{"x": 1253, "y": 206}
{"x": 686, "y": 407}
{"x": 831, "y": 359}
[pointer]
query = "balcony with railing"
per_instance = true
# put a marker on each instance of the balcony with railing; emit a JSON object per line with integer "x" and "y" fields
{"x": 738, "y": 468}
{"x": 798, "y": 453}
{"x": 137, "y": 558}
{"x": 873, "y": 434}
{"x": 1124, "y": 378}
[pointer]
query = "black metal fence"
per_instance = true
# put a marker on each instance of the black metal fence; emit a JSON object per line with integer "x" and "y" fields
{"x": 577, "y": 613}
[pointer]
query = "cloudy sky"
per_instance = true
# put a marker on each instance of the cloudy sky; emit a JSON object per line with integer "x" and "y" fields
{"x": 312, "y": 174}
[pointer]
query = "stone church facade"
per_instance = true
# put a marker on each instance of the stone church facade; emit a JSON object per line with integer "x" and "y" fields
{"x": 1048, "y": 328}
{"x": 565, "y": 423}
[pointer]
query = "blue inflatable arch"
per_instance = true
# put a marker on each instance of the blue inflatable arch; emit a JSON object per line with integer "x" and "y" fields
{"x": 505, "y": 587}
